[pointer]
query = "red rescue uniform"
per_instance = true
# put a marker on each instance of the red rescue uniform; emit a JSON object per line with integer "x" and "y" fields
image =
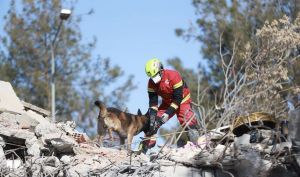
{"x": 176, "y": 97}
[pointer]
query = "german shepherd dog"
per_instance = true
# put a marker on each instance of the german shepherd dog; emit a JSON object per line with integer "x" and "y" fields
{"x": 126, "y": 125}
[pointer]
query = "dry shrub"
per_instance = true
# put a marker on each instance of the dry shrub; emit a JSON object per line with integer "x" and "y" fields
{"x": 263, "y": 83}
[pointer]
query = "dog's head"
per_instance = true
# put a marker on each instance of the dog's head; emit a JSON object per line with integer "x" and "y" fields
{"x": 146, "y": 120}
{"x": 101, "y": 116}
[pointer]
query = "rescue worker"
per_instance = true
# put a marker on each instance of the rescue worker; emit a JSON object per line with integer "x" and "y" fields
{"x": 176, "y": 99}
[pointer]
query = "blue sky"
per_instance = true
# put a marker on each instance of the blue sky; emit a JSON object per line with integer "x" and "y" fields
{"x": 133, "y": 31}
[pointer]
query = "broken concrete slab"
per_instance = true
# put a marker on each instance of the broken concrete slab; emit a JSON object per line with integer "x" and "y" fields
{"x": 40, "y": 111}
{"x": 2, "y": 142}
{"x": 72, "y": 172}
{"x": 242, "y": 141}
{"x": 2, "y": 155}
{"x": 179, "y": 170}
{"x": 51, "y": 161}
{"x": 15, "y": 136}
{"x": 13, "y": 164}
{"x": 9, "y": 120}
{"x": 44, "y": 165}
{"x": 62, "y": 145}
{"x": 60, "y": 142}
{"x": 33, "y": 147}
{"x": 45, "y": 128}
{"x": 67, "y": 127}
{"x": 88, "y": 164}
{"x": 35, "y": 116}
{"x": 9, "y": 102}
{"x": 2, "y": 158}
{"x": 66, "y": 159}
{"x": 81, "y": 169}
{"x": 20, "y": 121}
{"x": 11, "y": 134}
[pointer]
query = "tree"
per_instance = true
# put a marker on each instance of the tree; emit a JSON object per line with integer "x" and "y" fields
{"x": 237, "y": 23}
{"x": 264, "y": 82}
{"x": 80, "y": 78}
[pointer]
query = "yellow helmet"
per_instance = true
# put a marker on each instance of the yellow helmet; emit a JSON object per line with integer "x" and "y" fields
{"x": 153, "y": 66}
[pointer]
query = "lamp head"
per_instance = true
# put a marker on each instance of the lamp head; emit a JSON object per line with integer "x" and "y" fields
{"x": 65, "y": 14}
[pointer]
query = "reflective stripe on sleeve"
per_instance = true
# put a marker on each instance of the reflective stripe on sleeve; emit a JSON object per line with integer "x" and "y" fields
{"x": 154, "y": 107}
{"x": 179, "y": 84}
{"x": 175, "y": 106}
{"x": 186, "y": 98}
{"x": 151, "y": 90}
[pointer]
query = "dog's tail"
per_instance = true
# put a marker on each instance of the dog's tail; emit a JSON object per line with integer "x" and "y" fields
{"x": 102, "y": 107}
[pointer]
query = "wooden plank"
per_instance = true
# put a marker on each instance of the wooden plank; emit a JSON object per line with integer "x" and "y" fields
{"x": 39, "y": 110}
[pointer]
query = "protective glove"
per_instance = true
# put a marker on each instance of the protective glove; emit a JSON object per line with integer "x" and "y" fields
{"x": 152, "y": 115}
{"x": 163, "y": 119}
{"x": 152, "y": 122}
{"x": 152, "y": 112}
{"x": 152, "y": 129}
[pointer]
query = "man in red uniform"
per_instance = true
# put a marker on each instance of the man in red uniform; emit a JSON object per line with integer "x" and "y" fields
{"x": 176, "y": 99}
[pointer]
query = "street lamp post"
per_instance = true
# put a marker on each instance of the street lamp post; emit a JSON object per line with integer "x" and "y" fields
{"x": 64, "y": 15}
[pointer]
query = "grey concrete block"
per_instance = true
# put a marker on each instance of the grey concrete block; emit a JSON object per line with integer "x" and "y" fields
{"x": 9, "y": 102}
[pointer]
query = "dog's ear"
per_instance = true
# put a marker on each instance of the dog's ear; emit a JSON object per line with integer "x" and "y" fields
{"x": 139, "y": 112}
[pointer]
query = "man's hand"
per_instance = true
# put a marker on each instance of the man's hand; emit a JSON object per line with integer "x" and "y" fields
{"x": 152, "y": 129}
{"x": 153, "y": 124}
{"x": 155, "y": 121}
{"x": 152, "y": 115}
{"x": 163, "y": 119}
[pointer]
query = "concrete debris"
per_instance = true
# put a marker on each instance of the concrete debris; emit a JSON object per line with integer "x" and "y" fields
{"x": 2, "y": 157}
{"x": 2, "y": 142}
{"x": 242, "y": 141}
{"x": 60, "y": 142}
{"x": 33, "y": 147}
{"x": 9, "y": 102}
{"x": 30, "y": 145}
{"x": 65, "y": 159}
{"x": 35, "y": 116}
{"x": 45, "y": 128}
{"x": 13, "y": 164}
{"x": 33, "y": 108}
{"x": 69, "y": 128}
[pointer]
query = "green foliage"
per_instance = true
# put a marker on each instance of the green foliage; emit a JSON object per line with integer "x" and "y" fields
{"x": 237, "y": 23}
{"x": 80, "y": 79}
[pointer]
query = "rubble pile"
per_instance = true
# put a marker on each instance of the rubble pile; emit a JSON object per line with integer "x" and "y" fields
{"x": 30, "y": 145}
{"x": 256, "y": 148}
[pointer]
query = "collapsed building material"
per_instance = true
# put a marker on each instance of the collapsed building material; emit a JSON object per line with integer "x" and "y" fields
{"x": 31, "y": 145}
{"x": 9, "y": 102}
{"x": 36, "y": 116}
{"x": 34, "y": 108}
{"x": 69, "y": 128}
{"x": 2, "y": 155}
{"x": 244, "y": 124}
